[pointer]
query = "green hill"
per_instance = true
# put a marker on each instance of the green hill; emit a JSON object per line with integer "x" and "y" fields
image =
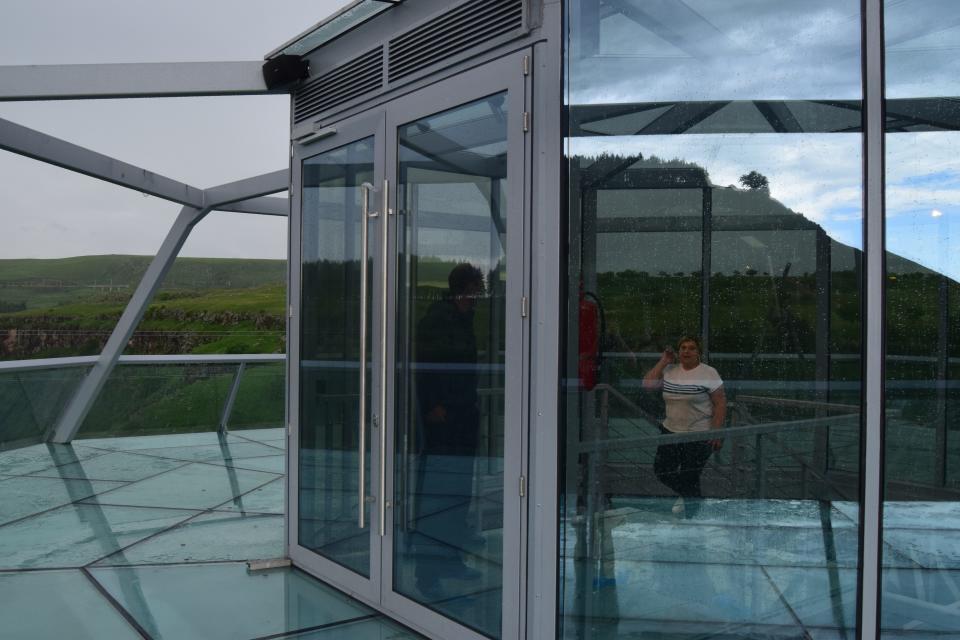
{"x": 66, "y": 307}
{"x": 47, "y": 283}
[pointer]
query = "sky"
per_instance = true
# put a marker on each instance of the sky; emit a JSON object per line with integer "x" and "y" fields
{"x": 49, "y": 212}
{"x": 743, "y": 49}
{"x": 785, "y": 50}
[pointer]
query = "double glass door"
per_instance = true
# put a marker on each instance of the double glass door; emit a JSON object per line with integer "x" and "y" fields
{"x": 407, "y": 460}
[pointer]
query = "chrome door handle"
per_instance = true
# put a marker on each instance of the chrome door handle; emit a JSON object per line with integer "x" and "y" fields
{"x": 384, "y": 232}
{"x": 365, "y": 213}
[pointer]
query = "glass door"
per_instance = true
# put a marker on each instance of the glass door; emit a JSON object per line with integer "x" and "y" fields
{"x": 407, "y": 478}
{"x": 456, "y": 155}
{"x": 334, "y": 524}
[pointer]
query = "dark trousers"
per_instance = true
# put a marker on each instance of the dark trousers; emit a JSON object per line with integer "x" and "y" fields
{"x": 679, "y": 466}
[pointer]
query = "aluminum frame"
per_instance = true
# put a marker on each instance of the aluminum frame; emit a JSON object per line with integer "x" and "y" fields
{"x": 871, "y": 505}
{"x": 366, "y": 125}
{"x": 383, "y": 120}
{"x": 131, "y": 80}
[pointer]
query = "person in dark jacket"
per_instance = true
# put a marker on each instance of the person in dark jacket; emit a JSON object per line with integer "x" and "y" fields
{"x": 447, "y": 383}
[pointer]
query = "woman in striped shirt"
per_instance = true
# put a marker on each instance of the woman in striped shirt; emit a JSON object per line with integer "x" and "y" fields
{"x": 694, "y": 398}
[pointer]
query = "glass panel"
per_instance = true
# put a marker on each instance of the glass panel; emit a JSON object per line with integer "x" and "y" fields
{"x": 330, "y": 28}
{"x": 330, "y": 498}
{"x": 31, "y": 402}
{"x": 224, "y": 601}
{"x": 211, "y": 537}
{"x": 79, "y": 534}
{"x": 450, "y": 345}
{"x": 921, "y": 528}
{"x": 160, "y": 399}
{"x": 74, "y": 608}
{"x": 714, "y": 258}
{"x": 260, "y": 397}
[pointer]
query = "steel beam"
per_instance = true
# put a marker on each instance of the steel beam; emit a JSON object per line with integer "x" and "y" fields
{"x": 260, "y": 206}
{"x": 82, "y": 401}
{"x": 231, "y": 399}
{"x": 46, "y": 148}
{"x": 86, "y": 395}
{"x": 871, "y": 507}
{"x": 138, "y": 80}
{"x": 246, "y": 189}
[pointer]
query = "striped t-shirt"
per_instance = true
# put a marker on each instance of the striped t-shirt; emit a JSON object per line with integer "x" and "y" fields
{"x": 687, "y": 397}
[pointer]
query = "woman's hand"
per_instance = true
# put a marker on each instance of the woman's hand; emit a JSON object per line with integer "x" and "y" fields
{"x": 668, "y": 357}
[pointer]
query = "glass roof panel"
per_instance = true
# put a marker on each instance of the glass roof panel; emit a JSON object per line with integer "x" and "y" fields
{"x": 319, "y": 34}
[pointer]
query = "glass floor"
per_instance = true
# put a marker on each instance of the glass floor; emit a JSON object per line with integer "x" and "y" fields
{"x": 148, "y": 537}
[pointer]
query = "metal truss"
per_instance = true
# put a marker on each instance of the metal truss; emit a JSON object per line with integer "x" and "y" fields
{"x": 128, "y": 81}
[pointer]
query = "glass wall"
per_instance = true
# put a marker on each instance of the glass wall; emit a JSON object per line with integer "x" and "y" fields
{"x": 921, "y": 519}
{"x": 330, "y": 497}
{"x": 710, "y": 469}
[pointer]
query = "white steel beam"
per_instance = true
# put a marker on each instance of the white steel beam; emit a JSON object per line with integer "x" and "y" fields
{"x": 46, "y": 148}
{"x": 260, "y": 206}
{"x": 138, "y": 80}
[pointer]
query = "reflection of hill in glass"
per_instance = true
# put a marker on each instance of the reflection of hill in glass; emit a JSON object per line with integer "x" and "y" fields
{"x": 776, "y": 279}
{"x": 679, "y": 194}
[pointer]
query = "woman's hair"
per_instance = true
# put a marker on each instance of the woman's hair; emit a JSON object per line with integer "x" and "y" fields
{"x": 694, "y": 339}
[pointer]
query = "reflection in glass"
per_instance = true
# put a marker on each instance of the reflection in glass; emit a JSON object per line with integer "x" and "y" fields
{"x": 140, "y": 399}
{"x": 921, "y": 526}
{"x": 31, "y": 402}
{"x": 714, "y": 158}
{"x": 330, "y": 498}
{"x": 448, "y": 550}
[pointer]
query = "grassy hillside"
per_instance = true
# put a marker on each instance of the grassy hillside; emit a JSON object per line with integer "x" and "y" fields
{"x": 51, "y": 308}
{"x": 46, "y": 283}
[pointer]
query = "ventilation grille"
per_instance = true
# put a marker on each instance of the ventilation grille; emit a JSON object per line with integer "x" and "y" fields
{"x": 460, "y": 29}
{"x": 339, "y": 85}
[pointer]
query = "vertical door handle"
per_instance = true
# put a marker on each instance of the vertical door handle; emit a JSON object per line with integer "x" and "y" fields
{"x": 384, "y": 229}
{"x": 365, "y": 213}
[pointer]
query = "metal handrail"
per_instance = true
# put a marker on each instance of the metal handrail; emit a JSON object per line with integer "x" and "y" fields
{"x": 39, "y": 364}
{"x": 614, "y": 444}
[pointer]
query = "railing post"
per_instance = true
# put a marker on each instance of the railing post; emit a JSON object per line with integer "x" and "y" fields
{"x": 231, "y": 398}
{"x": 760, "y": 467}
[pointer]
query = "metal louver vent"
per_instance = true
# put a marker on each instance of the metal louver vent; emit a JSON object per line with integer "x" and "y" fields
{"x": 349, "y": 80}
{"x": 461, "y": 28}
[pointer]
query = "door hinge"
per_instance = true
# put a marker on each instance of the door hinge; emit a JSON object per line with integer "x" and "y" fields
{"x": 523, "y": 487}
{"x": 526, "y": 121}
{"x": 524, "y": 307}
{"x": 290, "y": 310}
{"x": 526, "y": 65}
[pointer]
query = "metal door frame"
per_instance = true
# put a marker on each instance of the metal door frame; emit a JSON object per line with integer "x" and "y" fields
{"x": 510, "y": 73}
{"x": 365, "y": 125}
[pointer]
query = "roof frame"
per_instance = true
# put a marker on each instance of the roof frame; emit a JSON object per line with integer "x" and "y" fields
{"x": 132, "y": 80}
{"x": 70, "y": 82}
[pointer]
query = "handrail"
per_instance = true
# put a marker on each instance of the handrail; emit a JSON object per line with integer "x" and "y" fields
{"x": 613, "y": 444}
{"x": 190, "y": 358}
{"x": 798, "y": 404}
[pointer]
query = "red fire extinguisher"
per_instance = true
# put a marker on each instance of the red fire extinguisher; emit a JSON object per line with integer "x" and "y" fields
{"x": 591, "y": 335}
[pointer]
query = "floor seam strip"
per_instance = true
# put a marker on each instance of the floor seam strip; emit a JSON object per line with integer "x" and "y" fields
{"x": 116, "y": 605}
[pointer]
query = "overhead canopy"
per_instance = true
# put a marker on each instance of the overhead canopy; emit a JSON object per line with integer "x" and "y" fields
{"x": 351, "y": 16}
